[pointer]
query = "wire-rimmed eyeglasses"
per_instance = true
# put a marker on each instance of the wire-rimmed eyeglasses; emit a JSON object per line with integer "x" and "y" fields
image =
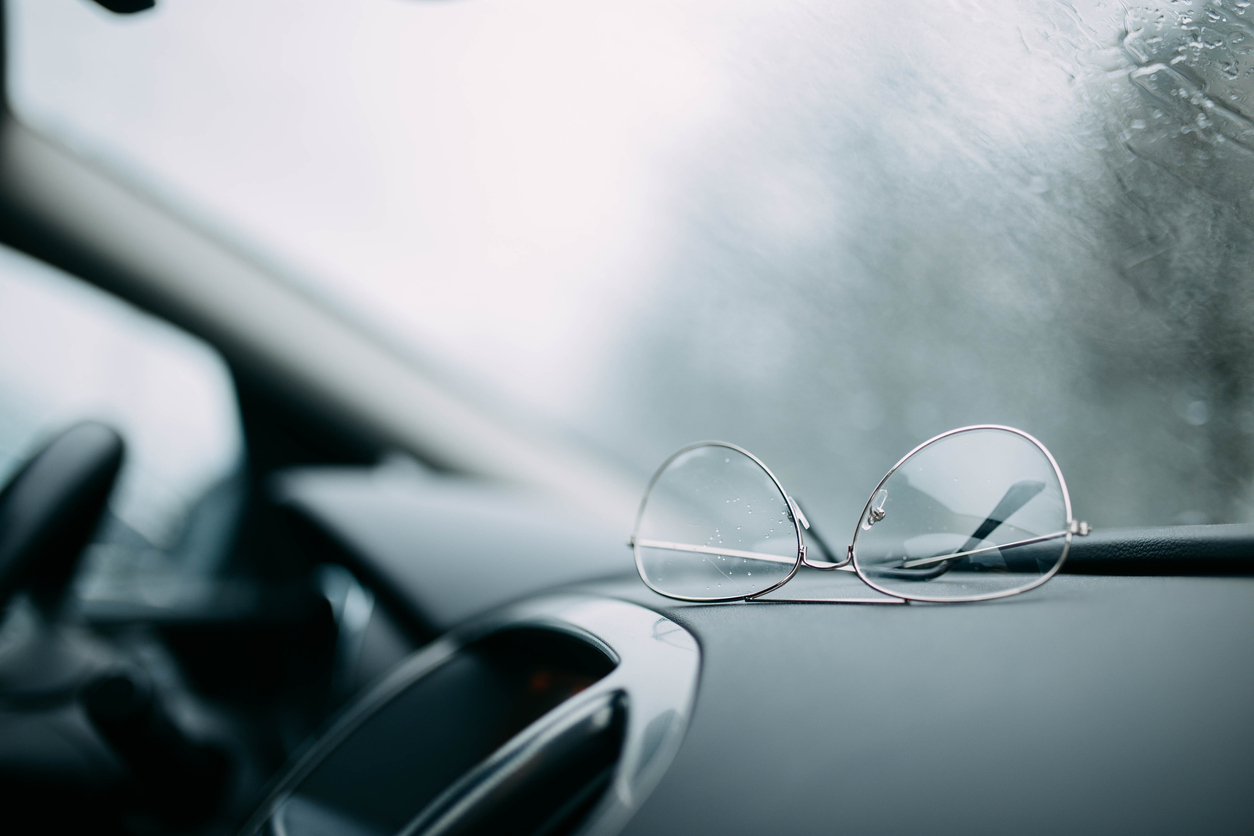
{"x": 973, "y": 514}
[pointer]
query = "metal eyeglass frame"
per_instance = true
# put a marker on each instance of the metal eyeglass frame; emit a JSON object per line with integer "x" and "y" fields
{"x": 870, "y": 514}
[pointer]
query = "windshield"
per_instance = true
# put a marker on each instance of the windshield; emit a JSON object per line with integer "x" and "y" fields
{"x": 822, "y": 231}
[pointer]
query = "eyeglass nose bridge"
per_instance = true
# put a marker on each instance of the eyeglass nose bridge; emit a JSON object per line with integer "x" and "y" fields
{"x": 805, "y": 560}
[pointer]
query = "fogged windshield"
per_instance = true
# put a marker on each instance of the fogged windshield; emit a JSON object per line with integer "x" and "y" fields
{"x": 821, "y": 230}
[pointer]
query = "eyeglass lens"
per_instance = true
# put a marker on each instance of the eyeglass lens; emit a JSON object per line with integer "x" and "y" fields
{"x": 715, "y": 525}
{"x": 977, "y": 514}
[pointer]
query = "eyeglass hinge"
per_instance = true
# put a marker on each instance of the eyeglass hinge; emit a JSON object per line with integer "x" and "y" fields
{"x": 1080, "y": 527}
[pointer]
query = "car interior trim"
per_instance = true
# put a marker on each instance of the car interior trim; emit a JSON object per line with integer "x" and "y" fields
{"x": 653, "y": 685}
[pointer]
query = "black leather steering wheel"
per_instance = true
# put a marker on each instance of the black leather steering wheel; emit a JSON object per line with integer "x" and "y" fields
{"x": 50, "y": 508}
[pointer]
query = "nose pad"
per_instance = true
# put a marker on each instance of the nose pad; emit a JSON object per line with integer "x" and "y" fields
{"x": 876, "y": 512}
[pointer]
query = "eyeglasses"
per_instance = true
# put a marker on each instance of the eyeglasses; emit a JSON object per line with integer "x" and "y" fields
{"x": 973, "y": 514}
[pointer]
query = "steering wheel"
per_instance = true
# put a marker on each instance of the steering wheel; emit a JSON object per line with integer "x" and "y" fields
{"x": 48, "y": 512}
{"x": 50, "y": 508}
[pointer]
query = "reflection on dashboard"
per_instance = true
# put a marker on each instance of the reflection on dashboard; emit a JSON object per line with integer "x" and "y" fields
{"x": 521, "y": 723}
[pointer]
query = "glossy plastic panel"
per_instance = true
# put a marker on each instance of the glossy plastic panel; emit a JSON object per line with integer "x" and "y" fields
{"x": 654, "y": 678}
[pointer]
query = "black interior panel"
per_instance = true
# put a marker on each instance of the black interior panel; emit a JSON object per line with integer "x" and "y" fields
{"x": 1093, "y": 705}
{"x": 448, "y": 548}
{"x": 1167, "y": 550}
{"x": 429, "y": 735}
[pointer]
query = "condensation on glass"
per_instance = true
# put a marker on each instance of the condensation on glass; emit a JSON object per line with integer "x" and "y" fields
{"x": 649, "y": 222}
{"x": 715, "y": 524}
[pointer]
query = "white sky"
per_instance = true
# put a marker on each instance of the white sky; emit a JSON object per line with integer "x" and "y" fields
{"x": 823, "y": 229}
{"x": 479, "y": 179}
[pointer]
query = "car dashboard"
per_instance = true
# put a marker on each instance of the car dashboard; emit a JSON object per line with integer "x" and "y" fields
{"x": 1114, "y": 699}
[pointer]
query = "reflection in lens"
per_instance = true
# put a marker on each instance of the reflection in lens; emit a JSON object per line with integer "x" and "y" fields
{"x": 715, "y": 525}
{"x": 976, "y": 514}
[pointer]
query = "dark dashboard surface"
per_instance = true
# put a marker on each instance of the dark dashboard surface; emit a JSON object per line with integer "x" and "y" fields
{"x": 1099, "y": 703}
{"x": 1095, "y": 704}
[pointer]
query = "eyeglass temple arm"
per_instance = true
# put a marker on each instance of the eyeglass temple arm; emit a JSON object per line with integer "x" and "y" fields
{"x": 832, "y": 562}
{"x": 1015, "y": 498}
